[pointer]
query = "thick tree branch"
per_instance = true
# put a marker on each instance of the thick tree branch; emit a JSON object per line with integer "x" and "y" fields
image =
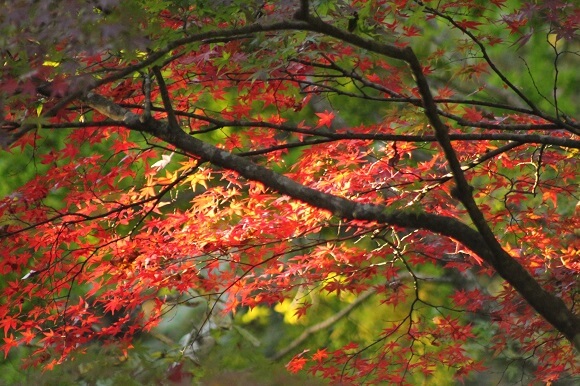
{"x": 302, "y": 13}
{"x": 549, "y": 306}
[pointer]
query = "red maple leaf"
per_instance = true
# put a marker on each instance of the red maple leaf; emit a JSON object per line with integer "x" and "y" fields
{"x": 325, "y": 118}
{"x": 296, "y": 364}
{"x": 9, "y": 343}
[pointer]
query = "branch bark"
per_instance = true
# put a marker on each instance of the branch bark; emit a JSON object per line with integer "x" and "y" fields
{"x": 552, "y": 308}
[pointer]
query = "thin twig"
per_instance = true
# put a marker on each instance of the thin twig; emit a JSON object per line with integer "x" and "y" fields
{"x": 324, "y": 324}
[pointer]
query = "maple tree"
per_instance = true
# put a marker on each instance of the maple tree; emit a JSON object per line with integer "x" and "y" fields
{"x": 247, "y": 154}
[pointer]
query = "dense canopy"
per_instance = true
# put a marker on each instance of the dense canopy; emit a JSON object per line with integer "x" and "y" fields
{"x": 365, "y": 191}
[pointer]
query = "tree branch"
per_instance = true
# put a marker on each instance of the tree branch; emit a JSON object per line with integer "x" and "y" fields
{"x": 552, "y": 308}
{"x": 302, "y": 13}
{"x": 165, "y": 97}
{"x": 324, "y": 324}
